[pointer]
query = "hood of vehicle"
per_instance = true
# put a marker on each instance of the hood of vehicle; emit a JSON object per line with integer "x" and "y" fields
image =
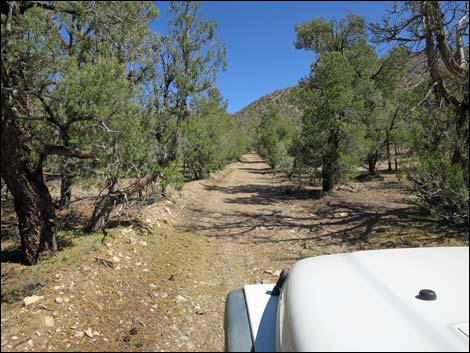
{"x": 369, "y": 301}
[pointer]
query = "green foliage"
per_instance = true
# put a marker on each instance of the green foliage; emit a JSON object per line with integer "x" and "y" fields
{"x": 330, "y": 124}
{"x": 283, "y": 101}
{"x": 442, "y": 189}
{"x": 210, "y": 139}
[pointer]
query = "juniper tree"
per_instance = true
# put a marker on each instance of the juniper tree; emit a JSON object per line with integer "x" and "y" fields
{"x": 439, "y": 32}
{"x": 61, "y": 95}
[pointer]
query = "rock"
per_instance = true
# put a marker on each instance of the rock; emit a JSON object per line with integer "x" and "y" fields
{"x": 84, "y": 269}
{"x": 30, "y": 342}
{"x": 184, "y": 338}
{"x": 145, "y": 270}
{"x": 66, "y": 299}
{"x": 198, "y": 310}
{"x": 132, "y": 240}
{"x": 119, "y": 293}
{"x": 164, "y": 295}
{"x": 32, "y": 299}
{"x": 59, "y": 300}
{"x": 340, "y": 214}
{"x": 144, "y": 243}
{"x": 96, "y": 333}
{"x": 116, "y": 259}
{"x": 138, "y": 263}
{"x": 79, "y": 334}
{"x": 190, "y": 346}
{"x": 180, "y": 299}
{"x": 14, "y": 338}
{"x": 277, "y": 273}
{"x": 155, "y": 306}
{"x": 48, "y": 321}
{"x": 89, "y": 332}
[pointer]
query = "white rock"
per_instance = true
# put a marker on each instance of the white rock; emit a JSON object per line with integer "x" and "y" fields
{"x": 79, "y": 334}
{"x": 96, "y": 333}
{"x": 132, "y": 240}
{"x": 59, "y": 300}
{"x": 32, "y": 299}
{"x": 116, "y": 259}
{"x": 48, "y": 321}
{"x": 181, "y": 299}
{"x": 89, "y": 332}
{"x": 145, "y": 270}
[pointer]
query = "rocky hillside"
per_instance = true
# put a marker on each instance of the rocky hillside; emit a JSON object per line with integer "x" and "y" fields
{"x": 281, "y": 100}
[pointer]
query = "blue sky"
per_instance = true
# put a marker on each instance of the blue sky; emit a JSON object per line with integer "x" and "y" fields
{"x": 259, "y": 37}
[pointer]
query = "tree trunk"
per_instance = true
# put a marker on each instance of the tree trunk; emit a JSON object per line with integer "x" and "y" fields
{"x": 372, "y": 159}
{"x": 330, "y": 163}
{"x": 328, "y": 178}
{"x": 103, "y": 209}
{"x": 65, "y": 187}
{"x": 396, "y": 156}
{"x": 459, "y": 157}
{"x": 33, "y": 203}
{"x": 389, "y": 160}
{"x": 114, "y": 197}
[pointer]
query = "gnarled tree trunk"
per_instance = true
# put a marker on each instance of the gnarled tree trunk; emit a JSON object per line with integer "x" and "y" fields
{"x": 33, "y": 203}
{"x": 114, "y": 197}
{"x": 65, "y": 184}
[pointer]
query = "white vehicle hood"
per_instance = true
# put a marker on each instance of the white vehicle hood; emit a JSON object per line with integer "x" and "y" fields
{"x": 366, "y": 301}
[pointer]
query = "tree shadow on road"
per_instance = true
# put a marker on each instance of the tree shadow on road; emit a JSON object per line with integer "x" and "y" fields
{"x": 330, "y": 221}
{"x": 258, "y": 194}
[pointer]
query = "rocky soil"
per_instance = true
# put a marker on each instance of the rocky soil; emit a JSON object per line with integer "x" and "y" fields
{"x": 160, "y": 284}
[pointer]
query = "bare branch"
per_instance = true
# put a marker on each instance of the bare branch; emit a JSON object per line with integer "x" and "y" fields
{"x": 68, "y": 151}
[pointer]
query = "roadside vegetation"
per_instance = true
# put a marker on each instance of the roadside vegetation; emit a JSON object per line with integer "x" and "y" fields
{"x": 360, "y": 108}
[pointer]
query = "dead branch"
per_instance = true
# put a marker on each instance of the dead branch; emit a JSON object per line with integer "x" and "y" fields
{"x": 104, "y": 262}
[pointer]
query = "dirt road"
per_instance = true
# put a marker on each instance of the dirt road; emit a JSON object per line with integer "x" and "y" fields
{"x": 167, "y": 287}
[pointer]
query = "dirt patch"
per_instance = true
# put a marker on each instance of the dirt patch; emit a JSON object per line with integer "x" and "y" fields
{"x": 160, "y": 283}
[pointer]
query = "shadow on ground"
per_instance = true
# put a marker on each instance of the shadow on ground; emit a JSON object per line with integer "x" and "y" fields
{"x": 329, "y": 220}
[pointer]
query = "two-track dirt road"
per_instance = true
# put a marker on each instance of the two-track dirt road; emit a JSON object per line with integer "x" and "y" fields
{"x": 167, "y": 289}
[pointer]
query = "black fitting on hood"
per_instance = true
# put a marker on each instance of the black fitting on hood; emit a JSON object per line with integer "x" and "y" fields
{"x": 280, "y": 281}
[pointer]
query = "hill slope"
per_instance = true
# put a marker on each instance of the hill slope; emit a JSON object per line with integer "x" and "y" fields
{"x": 281, "y": 100}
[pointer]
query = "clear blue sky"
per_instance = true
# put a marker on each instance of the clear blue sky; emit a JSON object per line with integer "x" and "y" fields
{"x": 259, "y": 37}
